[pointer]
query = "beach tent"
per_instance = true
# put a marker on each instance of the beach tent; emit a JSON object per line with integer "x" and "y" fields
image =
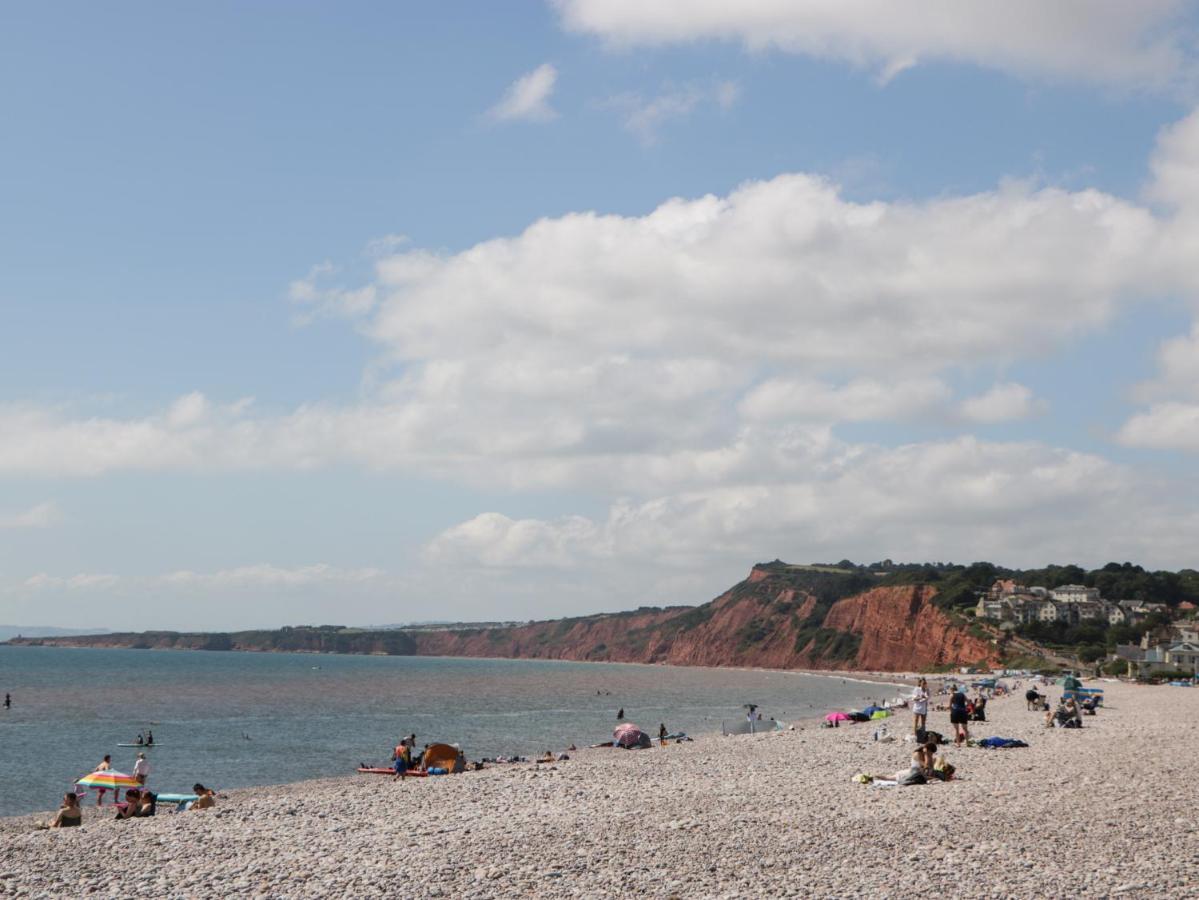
{"x": 439, "y": 755}
{"x": 837, "y": 717}
{"x": 629, "y": 735}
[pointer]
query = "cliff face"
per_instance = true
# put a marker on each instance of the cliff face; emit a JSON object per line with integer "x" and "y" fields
{"x": 781, "y": 616}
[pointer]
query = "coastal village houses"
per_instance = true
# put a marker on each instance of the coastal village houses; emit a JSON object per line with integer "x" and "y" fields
{"x": 1007, "y": 601}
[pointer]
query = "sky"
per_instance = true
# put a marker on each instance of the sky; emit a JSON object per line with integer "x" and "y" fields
{"x": 368, "y": 313}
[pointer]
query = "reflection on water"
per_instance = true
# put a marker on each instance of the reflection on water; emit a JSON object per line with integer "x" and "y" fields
{"x": 307, "y": 716}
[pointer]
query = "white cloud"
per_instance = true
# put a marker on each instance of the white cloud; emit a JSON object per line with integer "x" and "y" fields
{"x": 1021, "y": 503}
{"x": 527, "y": 99}
{"x": 861, "y": 400}
{"x": 644, "y": 117}
{"x": 1002, "y": 403}
{"x": 705, "y": 337}
{"x": 1106, "y": 41}
{"x": 261, "y": 575}
{"x": 493, "y": 539}
{"x": 1170, "y": 425}
{"x": 317, "y": 299}
{"x": 43, "y": 515}
{"x": 81, "y": 582}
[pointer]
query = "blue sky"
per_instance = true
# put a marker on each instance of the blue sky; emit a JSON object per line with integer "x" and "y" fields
{"x": 299, "y": 321}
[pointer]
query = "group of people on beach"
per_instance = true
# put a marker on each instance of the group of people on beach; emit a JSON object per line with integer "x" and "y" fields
{"x": 138, "y": 802}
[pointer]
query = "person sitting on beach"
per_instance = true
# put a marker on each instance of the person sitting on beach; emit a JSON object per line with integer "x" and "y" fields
{"x": 147, "y": 805}
{"x": 128, "y": 809}
{"x": 69, "y": 814}
{"x": 205, "y": 797}
{"x": 924, "y": 757}
{"x": 546, "y": 757}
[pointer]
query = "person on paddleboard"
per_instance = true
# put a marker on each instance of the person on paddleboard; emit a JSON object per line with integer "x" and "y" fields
{"x": 149, "y": 738}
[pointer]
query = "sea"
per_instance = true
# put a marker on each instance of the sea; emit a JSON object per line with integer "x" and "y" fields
{"x": 233, "y": 720}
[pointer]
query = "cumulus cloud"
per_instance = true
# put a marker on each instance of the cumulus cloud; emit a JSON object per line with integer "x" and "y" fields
{"x": 960, "y": 499}
{"x": 43, "y": 515}
{"x": 1106, "y": 41}
{"x": 707, "y": 336}
{"x": 527, "y": 98}
{"x": 1002, "y": 403}
{"x": 645, "y": 116}
{"x": 1170, "y": 425}
{"x": 860, "y": 400}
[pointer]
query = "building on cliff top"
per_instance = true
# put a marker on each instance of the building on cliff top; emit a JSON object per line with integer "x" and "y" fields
{"x": 1007, "y": 601}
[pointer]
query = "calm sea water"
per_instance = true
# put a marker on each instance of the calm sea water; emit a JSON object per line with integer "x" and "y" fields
{"x": 308, "y": 716}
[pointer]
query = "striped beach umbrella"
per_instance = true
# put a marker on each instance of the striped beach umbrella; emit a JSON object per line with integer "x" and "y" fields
{"x": 109, "y": 779}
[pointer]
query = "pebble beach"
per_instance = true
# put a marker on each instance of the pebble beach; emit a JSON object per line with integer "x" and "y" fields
{"x": 1104, "y": 811}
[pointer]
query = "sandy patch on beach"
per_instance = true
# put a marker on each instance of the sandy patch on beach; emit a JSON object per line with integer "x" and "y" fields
{"x": 1108, "y": 810}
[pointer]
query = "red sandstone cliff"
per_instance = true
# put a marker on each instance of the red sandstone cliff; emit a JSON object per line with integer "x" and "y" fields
{"x": 781, "y": 616}
{"x": 768, "y": 620}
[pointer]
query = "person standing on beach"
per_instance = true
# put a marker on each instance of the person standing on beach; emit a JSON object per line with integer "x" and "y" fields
{"x": 920, "y": 707}
{"x": 958, "y": 717}
{"x": 662, "y": 735}
{"x": 105, "y": 765}
{"x": 141, "y": 769}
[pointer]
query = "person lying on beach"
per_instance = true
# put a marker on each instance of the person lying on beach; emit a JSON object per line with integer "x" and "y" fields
{"x": 69, "y": 814}
{"x": 205, "y": 797}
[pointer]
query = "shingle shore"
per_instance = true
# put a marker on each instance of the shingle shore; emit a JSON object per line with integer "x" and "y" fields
{"x": 1105, "y": 811}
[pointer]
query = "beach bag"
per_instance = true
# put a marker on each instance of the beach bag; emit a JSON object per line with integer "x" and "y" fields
{"x": 921, "y": 736}
{"x": 933, "y": 736}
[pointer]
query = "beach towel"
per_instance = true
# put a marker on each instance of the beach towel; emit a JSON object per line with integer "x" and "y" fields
{"x": 1001, "y": 743}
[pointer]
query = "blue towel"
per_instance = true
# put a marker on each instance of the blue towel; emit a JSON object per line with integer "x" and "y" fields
{"x": 1001, "y": 743}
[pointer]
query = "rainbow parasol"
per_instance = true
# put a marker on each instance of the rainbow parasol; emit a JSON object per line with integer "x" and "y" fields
{"x": 110, "y": 779}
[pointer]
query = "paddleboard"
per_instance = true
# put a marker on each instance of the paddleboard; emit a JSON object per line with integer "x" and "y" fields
{"x": 143, "y": 746}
